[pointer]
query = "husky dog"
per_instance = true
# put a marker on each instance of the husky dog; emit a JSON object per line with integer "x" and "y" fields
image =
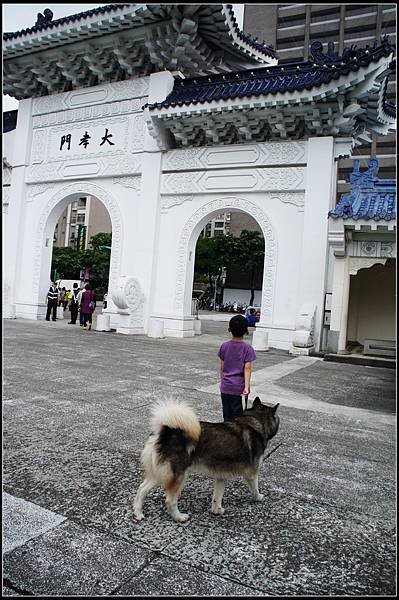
{"x": 180, "y": 443}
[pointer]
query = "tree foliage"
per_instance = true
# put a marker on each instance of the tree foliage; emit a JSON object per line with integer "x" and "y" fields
{"x": 246, "y": 251}
{"x": 69, "y": 262}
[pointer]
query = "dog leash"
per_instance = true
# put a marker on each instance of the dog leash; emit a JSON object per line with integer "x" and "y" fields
{"x": 271, "y": 451}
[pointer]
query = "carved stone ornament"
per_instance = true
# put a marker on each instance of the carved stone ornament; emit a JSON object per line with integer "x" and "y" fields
{"x": 297, "y": 200}
{"x": 38, "y": 188}
{"x": 127, "y": 295}
{"x": 224, "y": 205}
{"x": 110, "y": 204}
{"x": 168, "y": 201}
{"x": 355, "y": 264}
{"x": 121, "y": 90}
{"x": 130, "y": 182}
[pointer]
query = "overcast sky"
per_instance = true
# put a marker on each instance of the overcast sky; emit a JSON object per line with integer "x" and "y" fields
{"x": 21, "y": 16}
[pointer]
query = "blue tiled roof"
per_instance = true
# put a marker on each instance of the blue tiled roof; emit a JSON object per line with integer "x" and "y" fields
{"x": 370, "y": 198}
{"x": 276, "y": 79}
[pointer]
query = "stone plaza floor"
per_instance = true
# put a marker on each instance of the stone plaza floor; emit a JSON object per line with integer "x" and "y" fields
{"x": 76, "y": 408}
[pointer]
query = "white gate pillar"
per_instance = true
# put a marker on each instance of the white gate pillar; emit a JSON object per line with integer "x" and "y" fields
{"x": 320, "y": 178}
{"x": 339, "y": 306}
{"x": 13, "y": 243}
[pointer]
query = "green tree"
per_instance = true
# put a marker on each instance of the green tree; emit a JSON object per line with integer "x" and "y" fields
{"x": 251, "y": 250}
{"x": 69, "y": 262}
{"x": 66, "y": 261}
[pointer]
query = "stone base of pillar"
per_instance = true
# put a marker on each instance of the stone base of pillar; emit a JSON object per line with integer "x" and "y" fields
{"x": 155, "y": 329}
{"x": 129, "y": 326}
{"x": 197, "y": 327}
{"x": 9, "y": 311}
{"x": 60, "y": 312}
{"x": 260, "y": 340}
{"x": 103, "y": 323}
{"x": 297, "y": 351}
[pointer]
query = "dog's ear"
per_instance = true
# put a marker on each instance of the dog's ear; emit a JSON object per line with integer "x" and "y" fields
{"x": 275, "y": 407}
{"x": 256, "y": 402}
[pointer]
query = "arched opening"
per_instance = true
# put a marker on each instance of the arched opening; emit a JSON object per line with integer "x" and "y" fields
{"x": 229, "y": 264}
{"x": 72, "y": 245}
{"x": 372, "y": 309}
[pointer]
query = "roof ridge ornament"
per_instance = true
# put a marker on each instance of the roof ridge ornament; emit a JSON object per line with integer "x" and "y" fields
{"x": 45, "y": 18}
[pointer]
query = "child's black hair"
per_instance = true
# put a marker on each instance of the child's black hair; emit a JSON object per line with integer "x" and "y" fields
{"x": 238, "y": 326}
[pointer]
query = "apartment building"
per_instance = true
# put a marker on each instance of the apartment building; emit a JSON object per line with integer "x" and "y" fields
{"x": 82, "y": 219}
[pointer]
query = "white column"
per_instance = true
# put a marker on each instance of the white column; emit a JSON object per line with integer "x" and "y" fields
{"x": 320, "y": 173}
{"x": 13, "y": 242}
{"x": 147, "y": 230}
{"x": 339, "y": 306}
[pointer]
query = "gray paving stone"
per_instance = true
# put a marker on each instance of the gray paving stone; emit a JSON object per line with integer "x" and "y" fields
{"x": 165, "y": 577}
{"x": 24, "y": 520}
{"x": 297, "y": 549}
{"x": 72, "y": 560}
{"x": 72, "y": 437}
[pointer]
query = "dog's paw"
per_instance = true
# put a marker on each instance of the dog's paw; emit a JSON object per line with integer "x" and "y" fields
{"x": 138, "y": 516}
{"x": 259, "y": 497}
{"x": 181, "y": 518}
{"x": 218, "y": 511}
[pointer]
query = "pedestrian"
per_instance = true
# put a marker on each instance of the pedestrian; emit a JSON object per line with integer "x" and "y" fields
{"x": 88, "y": 306}
{"x": 236, "y": 357}
{"x": 74, "y": 304}
{"x": 251, "y": 318}
{"x": 52, "y": 301}
{"x": 67, "y": 297}
{"x": 61, "y": 296}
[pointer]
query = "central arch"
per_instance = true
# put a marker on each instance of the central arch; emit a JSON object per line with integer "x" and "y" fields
{"x": 46, "y": 226}
{"x": 189, "y": 236}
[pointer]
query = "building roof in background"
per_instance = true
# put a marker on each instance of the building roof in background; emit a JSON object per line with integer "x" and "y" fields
{"x": 9, "y": 120}
{"x": 370, "y": 198}
{"x": 122, "y": 41}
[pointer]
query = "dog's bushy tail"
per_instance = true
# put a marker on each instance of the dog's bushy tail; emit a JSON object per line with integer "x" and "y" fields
{"x": 176, "y": 415}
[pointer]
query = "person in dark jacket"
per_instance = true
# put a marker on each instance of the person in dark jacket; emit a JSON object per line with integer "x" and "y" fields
{"x": 74, "y": 304}
{"x": 52, "y": 301}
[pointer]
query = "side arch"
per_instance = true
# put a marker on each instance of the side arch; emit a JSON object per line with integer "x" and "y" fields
{"x": 192, "y": 226}
{"x": 116, "y": 221}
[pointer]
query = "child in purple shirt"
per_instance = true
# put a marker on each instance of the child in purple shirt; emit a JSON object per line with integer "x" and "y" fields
{"x": 235, "y": 368}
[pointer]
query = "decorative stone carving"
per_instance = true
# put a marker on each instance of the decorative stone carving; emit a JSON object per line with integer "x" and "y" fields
{"x": 297, "y": 200}
{"x": 223, "y": 205}
{"x": 168, "y": 201}
{"x": 88, "y": 113}
{"x": 303, "y": 338}
{"x": 372, "y": 248}
{"x": 137, "y": 135}
{"x": 116, "y": 220}
{"x": 254, "y": 180}
{"x": 121, "y": 90}
{"x": 355, "y": 264}
{"x": 39, "y": 141}
{"x": 39, "y": 188}
{"x": 6, "y": 198}
{"x": 129, "y": 300}
{"x": 269, "y": 153}
{"x": 129, "y": 182}
{"x": 127, "y": 295}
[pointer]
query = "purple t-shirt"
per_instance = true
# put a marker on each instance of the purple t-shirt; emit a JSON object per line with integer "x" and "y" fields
{"x": 234, "y": 356}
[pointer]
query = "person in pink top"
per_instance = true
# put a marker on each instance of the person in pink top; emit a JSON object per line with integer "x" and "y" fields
{"x": 236, "y": 357}
{"x": 88, "y": 306}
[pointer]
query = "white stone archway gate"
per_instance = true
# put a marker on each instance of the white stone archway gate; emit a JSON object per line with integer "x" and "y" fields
{"x": 158, "y": 201}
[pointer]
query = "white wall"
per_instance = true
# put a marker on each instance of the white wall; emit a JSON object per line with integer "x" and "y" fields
{"x": 241, "y": 296}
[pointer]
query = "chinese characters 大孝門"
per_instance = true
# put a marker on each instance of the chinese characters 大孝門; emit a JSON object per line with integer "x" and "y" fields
{"x": 84, "y": 140}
